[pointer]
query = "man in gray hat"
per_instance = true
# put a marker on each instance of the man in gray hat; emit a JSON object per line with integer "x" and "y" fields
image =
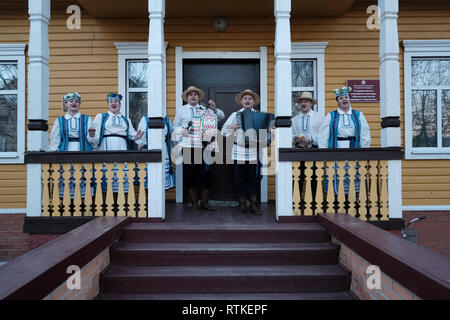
{"x": 306, "y": 124}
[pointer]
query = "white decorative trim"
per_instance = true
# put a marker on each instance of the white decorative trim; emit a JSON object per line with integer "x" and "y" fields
{"x": 179, "y": 56}
{"x": 12, "y": 49}
{"x": 426, "y": 45}
{"x": 308, "y": 47}
{"x": 426, "y": 208}
{"x": 316, "y": 51}
{"x": 425, "y": 49}
{"x": 15, "y": 52}
{"x": 13, "y": 211}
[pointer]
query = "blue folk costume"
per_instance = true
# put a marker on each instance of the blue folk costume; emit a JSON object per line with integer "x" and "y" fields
{"x": 168, "y": 166}
{"x": 334, "y": 124}
{"x": 66, "y": 142}
{"x": 105, "y": 117}
{"x": 64, "y": 126}
{"x": 354, "y": 141}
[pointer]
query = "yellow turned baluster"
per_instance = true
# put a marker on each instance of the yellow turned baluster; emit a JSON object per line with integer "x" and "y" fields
{"x": 328, "y": 187}
{"x": 352, "y": 189}
{"x": 131, "y": 198}
{"x": 88, "y": 196}
{"x": 77, "y": 196}
{"x": 109, "y": 191}
{"x": 66, "y": 198}
{"x": 308, "y": 190}
{"x": 121, "y": 194}
{"x": 384, "y": 191}
{"x": 296, "y": 192}
{"x": 341, "y": 191}
{"x": 319, "y": 191}
{"x": 373, "y": 192}
{"x": 45, "y": 201}
{"x": 142, "y": 199}
{"x": 362, "y": 201}
{"x": 56, "y": 200}
{"x": 98, "y": 191}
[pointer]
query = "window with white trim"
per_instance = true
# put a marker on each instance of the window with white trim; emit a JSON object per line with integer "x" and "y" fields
{"x": 308, "y": 73}
{"x": 304, "y": 78}
{"x": 133, "y": 78}
{"x": 427, "y": 99}
{"x": 12, "y": 103}
{"x": 137, "y": 84}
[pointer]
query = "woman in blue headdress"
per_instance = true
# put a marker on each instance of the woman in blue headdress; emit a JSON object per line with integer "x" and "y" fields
{"x": 70, "y": 132}
{"x": 344, "y": 128}
{"x": 113, "y": 130}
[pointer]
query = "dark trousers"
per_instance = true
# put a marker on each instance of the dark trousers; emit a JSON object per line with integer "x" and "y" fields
{"x": 196, "y": 173}
{"x": 246, "y": 179}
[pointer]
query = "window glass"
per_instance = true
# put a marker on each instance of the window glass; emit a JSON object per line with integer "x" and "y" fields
{"x": 137, "y": 74}
{"x": 430, "y": 72}
{"x": 424, "y": 109}
{"x": 302, "y": 73}
{"x": 8, "y": 122}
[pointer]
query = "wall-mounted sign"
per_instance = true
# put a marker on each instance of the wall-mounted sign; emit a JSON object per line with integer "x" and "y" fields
{"x": 364, "y": 90}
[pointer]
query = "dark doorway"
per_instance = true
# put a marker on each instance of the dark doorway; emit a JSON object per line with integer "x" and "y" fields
{"x": 221, "y": 80}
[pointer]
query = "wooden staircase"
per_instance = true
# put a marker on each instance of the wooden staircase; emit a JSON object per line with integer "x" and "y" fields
{"x": 171, "y": 261}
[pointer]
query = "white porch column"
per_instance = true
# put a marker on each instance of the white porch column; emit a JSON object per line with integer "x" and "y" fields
{"x": 390, "y": 99}
{"x": 156, "y": 106}
{"x": 283, "y": 111}
{"x": 38, "y": 97}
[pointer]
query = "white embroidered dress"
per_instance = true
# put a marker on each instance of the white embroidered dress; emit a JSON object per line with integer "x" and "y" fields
{"x": 114, "y": 125}
{"x": 73, "y": 124}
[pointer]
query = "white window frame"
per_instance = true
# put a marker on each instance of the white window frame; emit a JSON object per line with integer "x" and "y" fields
{"x": 129, "y": 51}
{"x": 314, "y": 51}
{"x": 421, "y": 49}
{"x": 15, "y": 53}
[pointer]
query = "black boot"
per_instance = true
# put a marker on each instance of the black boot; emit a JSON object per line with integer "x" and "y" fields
{"x": 254, "y": 205}
{"x": 194, "y": 199}
{"x": 204, "y": 201}
{"x": 242, "y": 205}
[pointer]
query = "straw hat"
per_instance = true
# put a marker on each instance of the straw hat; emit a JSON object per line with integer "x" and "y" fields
{"x": 200, "y": 92}
{"x": 306, "y": 95}
{"x": 239, "y": 96}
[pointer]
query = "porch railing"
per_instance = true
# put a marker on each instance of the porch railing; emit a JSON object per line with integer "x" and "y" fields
{"x": 353, "y": 181}
{"x": 95, "y": 183}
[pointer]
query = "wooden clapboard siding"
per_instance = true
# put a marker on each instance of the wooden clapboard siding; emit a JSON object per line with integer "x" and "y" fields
{"x": 14, "y": 27}
{"x": 425, "y": 182}
{"x": 86, "y": 61}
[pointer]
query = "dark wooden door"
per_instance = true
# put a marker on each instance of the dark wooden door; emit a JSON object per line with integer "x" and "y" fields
{"x": 221, "y": 80}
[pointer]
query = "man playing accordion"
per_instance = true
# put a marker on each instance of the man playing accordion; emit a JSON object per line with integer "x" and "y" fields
{"x": 247, "y": 173}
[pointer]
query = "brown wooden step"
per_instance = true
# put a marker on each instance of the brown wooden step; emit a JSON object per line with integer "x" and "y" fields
{"x": 269, "y": 233}
{"x": 182, "y": 254}
{"x": 224, "y": 279}
{"x": 230, "y": 296}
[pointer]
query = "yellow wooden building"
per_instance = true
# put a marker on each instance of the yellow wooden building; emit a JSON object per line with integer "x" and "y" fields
{"x": 96, "y": 47}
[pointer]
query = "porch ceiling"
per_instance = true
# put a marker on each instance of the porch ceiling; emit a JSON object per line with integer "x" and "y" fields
{"x": 213, "y": 8}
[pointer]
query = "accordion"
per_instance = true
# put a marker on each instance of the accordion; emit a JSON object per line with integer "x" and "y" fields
{"x": 255, "y": 126}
